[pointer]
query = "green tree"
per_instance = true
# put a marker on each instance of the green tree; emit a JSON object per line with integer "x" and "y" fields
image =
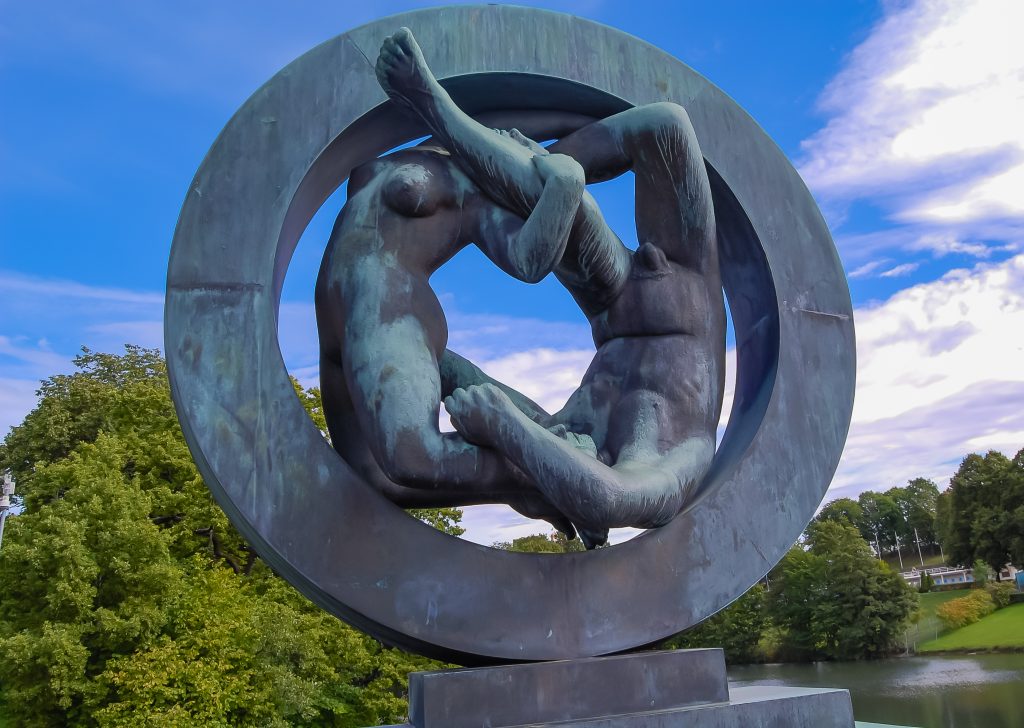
{"x": 542, "y": 543}
{"x": 842, "y": 510}
{"x": 127, "y": 593}
{"x": 944, "y": 520}
{"x": 75, "y": 408}
{"x": 980, "y": 571}
{"x": 919, "y": 504}
{"x": 835, "y": 600}
{"x": 738, "y": 629}
{"x": 984, "y": 511}
{"x": 1013, "y": 509}
{"x": 443, "y": 519}
{"x": 882, "y": 520}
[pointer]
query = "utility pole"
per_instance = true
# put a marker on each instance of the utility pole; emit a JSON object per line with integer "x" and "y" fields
{"x": 898, "y": 554}
{"x": 5, "y": 503}
{"x": 918, "y": 539}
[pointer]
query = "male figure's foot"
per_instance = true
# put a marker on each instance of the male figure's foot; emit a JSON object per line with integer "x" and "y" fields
{"x": 538, "y": 507}
{"x": 593, "y": 538}
{"x": 403, "y": 73}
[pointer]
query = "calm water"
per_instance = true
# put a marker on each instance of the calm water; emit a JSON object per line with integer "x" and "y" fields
{"x": 969, "y": 691}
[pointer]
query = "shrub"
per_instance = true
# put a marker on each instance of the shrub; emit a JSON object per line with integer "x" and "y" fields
{"x": 981, "y": 573}
{"x": 966, "y": 610}
{"x": 1001, "y": 592}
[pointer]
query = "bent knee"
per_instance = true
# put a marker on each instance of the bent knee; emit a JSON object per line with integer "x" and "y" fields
{"x": 411, "y": 459}
{"x": 668, "y": 115}
{"x": 666, "y": 121}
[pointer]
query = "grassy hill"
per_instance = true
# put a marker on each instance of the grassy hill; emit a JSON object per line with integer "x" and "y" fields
{"x": 1003, "y": 629}
{"x": 911, "y": 559}
{"x": 928, "y": 626}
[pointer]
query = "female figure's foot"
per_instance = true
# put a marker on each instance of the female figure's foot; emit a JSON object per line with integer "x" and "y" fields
{"x": 403, "y": 73}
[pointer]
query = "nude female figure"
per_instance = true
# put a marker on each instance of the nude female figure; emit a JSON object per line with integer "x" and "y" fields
{"x": 383, "y": 334}
{"x": 638, "y": 435}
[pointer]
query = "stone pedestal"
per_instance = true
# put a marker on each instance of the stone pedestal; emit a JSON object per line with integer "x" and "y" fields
{"x": 674, "y": 689}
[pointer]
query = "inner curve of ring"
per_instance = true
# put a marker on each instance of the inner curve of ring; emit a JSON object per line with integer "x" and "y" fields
{"x": 743, "y": 263}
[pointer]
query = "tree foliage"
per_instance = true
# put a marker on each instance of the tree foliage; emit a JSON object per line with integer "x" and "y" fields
{"x": 127, "y": 593}
{"x": 738, "y": 629}
{"x": 542, "y": 543}
{"x": 983, "y": 511}
{"x": 899, "y": 516}
{"x": 835, "y": 600}
{"x": 843, "y": 510}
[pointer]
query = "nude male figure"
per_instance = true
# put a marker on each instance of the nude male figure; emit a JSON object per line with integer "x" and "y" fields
{"x": 638, "y": 435}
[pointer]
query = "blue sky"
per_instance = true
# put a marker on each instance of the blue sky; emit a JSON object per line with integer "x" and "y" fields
{"x": 903, "y": 117}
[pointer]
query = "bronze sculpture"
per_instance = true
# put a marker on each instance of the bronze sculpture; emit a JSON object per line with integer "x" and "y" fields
{"x": 311, "y": 514}
{"x": 634, "y": 440}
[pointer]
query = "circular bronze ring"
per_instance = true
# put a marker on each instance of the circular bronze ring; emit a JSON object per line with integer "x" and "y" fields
{"x": 338, "y": 540}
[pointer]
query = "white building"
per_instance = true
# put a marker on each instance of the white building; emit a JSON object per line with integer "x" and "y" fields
{"x": 952, "y": 575}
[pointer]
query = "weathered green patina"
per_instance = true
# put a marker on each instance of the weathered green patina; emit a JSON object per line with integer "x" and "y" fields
{"x": 338, "y": 538}
{"x": 635, "y": 439}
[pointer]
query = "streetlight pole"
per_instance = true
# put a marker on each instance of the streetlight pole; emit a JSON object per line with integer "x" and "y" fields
{"x": 897, "y": 537}
{"x": 5, "y": 503}
{"x": 918, "y": 539}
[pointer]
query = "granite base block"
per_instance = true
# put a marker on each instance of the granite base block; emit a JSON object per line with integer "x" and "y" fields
{"x": 750, "y": 707}
{"x": 672, "y": 689}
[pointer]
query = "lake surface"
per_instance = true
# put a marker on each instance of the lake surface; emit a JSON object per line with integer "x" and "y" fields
{"x": 968, "y": 691}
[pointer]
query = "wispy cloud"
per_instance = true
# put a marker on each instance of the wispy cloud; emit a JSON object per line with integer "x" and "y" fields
{"x": 924, "y": 121}
{"x": 900, "y": 270}
{"x": 69, "y": 314}
{"x": 867, "y": 269}
{"x": 16, "y": 284}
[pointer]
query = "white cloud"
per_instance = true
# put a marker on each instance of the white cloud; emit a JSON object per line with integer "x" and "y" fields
{"x": 867, "y": 269}
{"x": 940, "y": 375}
{"x": 28, "y": 355}
{"x": 925, "y": 120}
{"x": 16, "y": 284}
{"x": 900, "y": 270}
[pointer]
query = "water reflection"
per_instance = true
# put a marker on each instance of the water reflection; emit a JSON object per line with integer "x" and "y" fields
{"x": 971, "y": 691}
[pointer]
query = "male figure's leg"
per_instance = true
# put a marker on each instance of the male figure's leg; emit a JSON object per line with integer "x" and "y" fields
{"x": 593, "y": 495}
{"x": 674, "y": 209}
